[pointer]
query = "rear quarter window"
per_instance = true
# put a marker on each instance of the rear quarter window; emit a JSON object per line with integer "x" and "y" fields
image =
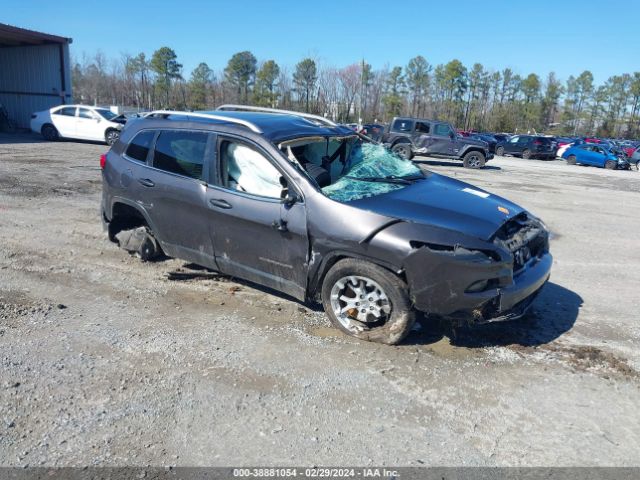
{"x": 139, "y": 147}
{"x": 181, "y": 153}
{"x": 402, "y": 126}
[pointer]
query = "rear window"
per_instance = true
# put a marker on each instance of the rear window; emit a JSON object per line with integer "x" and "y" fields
{"x": 402, "y": 126}
{"x": 138, "y": 149}
{"x": 67, "y": 112}
{"x": 181, "y": 153}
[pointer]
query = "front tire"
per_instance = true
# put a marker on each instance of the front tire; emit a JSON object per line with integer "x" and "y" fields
{"x": 571, "y": 160}
{"x": 367, "y": 302}
{"x": 111, "y": 136}
{"x": 500, "y": 151}
{"x": 50, "y": 133}
{"x": 473, "y": 160}
{"x": 403, "y": 150}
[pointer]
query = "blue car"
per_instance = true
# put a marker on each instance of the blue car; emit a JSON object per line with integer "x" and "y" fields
{"x": 595, "y": 155}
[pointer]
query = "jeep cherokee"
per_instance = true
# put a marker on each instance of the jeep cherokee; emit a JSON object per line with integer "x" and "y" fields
{"x": 312, "y": 209}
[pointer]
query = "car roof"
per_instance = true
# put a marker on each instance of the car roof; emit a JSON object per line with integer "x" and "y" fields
{"x": 276, "y": 127}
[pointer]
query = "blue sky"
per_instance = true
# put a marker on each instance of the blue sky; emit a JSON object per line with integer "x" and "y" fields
{"x": 565, "y": 36}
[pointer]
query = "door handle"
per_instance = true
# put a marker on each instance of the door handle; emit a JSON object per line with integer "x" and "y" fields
{"x": 146, "y": 182}
{"x": 220, "y": 203}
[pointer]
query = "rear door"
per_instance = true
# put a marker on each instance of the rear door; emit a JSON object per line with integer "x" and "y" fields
{"x": 64, "y": 119}
{"x": 173, "y": 189}
{"x": 422, "y": 135}
{"x": 255, "y": 235}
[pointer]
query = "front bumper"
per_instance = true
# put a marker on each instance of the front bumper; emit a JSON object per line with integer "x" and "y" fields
{"x": 442, "y": 288}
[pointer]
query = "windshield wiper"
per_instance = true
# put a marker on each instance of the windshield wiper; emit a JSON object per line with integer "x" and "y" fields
{"x": 405, "y": 180}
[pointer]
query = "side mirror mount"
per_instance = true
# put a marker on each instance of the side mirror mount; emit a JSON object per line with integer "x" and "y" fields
{"x": 289, "y": 197}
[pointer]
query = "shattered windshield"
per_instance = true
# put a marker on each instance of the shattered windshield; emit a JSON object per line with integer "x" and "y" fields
{"x": 374, "y": 170}
{"x": 349, "y": 168}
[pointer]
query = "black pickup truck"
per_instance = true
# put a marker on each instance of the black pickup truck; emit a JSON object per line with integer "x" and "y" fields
{"x": 416, "y": 136}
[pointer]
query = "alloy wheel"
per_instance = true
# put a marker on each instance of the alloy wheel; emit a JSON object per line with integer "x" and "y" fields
{"x": 359, "y": 302}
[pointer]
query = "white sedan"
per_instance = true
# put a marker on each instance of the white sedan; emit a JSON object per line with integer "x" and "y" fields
{"x": 78, "y": 121}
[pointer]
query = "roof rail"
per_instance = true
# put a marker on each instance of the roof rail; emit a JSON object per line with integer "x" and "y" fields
{"x": 249, "y": 108}
{"x": 222, "y": 118}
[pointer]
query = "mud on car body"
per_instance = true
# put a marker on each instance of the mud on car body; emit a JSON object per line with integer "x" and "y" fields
{"x": 296, "y": 203}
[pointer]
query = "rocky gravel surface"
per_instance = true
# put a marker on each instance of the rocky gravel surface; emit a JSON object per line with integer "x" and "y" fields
{"x": 105, "y": 360}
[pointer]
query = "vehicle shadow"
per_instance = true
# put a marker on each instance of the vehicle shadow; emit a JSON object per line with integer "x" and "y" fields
{"x": 553, "y": 313}
{"x": 427, "y": 161}
{"x": 30, "y": 137}
{"x": 20, "y": 137}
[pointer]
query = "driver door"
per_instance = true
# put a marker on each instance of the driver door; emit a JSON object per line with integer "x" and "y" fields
{"x": 87, "y": 125}
{"x": 443, "y": 142}
{"x": 256, "y": 236}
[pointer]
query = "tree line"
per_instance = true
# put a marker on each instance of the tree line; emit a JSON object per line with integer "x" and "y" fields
{"x": 474, "y": 98}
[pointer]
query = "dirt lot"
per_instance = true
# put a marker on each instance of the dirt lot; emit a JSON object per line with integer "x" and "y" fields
{"x": 106, "y": 361}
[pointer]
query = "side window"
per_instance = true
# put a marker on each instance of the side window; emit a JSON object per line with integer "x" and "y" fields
{"x": 181, "y": 152}
{"x": 422, "y": 127}
{"x": 67, "y": 112}
{"x": 523, "y": 140}
{"x": 514, "y": 139}
{"x": 442, "y": 129}
{"x": 402, "y": 126}
{"x": 85, "y": 113}
{"x": 140, "y": 145}
{"x": 247, "y": 170}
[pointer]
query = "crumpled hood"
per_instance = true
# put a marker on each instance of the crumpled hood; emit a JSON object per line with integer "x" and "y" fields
{"x": 444, "y": 202}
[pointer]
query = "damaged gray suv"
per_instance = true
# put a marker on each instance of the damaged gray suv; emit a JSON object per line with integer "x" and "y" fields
{"x": 309, "y": 208}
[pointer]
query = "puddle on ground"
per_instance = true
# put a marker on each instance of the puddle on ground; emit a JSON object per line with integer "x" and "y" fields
{"x": 443, "y": 348}
{"x": 326, "y": 332}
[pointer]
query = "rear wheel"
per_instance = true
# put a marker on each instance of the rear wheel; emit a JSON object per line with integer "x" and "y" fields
{"x": 500, "y": 151}
{"x": 473, "y": 160}
{"x": 49, "y": 132}
{"x": 571, "y": 160}
{"x": 638, "y": 165}
{"x": 403, "y": 150}
{"x": 526, "y": 154}
{"x": 610, "y": 165}
{"x": 367, "y": 302}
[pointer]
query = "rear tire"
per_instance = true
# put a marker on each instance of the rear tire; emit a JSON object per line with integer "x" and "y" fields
{"x": 610, "y": 165}
{"x": 638, "y": 165}
{"x": 500, "y": 151}
{"x": 50, "y": 133}
{"x": 403, "y": 150}
{"x": 374, "y": 289}
{"x": 571, "y": 160}
{"x": 526, "y": 154}
{"x": 473, "y": 160}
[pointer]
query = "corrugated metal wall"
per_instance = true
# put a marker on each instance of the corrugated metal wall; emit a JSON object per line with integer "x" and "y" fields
{"x": 31, "y": 75}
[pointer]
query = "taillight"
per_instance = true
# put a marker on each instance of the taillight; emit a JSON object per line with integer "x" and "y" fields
{"x": 537, "y": 142}
{"x": 103, "y": 160}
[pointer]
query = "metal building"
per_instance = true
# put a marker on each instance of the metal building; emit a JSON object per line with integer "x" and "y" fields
{"x": 35, "y": 72}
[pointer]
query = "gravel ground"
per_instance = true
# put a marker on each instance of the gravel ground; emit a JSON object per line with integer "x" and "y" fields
{"x": 106, "y": 361}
